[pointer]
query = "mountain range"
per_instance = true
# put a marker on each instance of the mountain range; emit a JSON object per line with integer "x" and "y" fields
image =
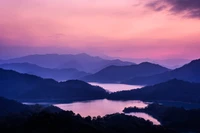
{"x": 25, "y": 87}
{"x": 171, "y": 63}
{"x": 121, "y": 73}
{"x": 57, "y": 74}
{"x": 172, "y": 90}
{"x": 81, "y": 62}
{"x": 189, "y": 72}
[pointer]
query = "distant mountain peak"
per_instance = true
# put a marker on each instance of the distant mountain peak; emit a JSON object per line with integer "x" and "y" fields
{"x": 75, "y": 81}
{"x": 83, "y": 54}
{"x": 117, "y": 74}
{"x": 195, "y": 61}
{"x": 193, "y": 64}
{"x": 149, "y": 63}
{"x": 189, "y": 72}
{"x": 146, "y": 63}
{"x": 175, "y": 80}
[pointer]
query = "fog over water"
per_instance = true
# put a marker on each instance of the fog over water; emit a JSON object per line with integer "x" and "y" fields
{"x": 111, "y": 87}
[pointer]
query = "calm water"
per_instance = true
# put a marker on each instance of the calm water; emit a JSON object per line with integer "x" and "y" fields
{"x": 146, "y": 117}
{"x": 104, "y": 107}
{"x": 116, "y": 87}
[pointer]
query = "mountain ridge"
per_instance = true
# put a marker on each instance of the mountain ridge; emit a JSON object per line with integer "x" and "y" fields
{"x": 188, "y": 72}
{"x": 172, "y": 90}
{"x": 83, "y": 62}
{"x": 57, "y": 74}
{"x": 120, "y": 73}
{"x": 25, "y": 87}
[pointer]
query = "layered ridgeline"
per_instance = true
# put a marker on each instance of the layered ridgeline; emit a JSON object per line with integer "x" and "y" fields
{"x": 173, "y": 90}
{"x": 57, "y": 74}
{"x": 189, "y": 72}
{"x": 121, "y": 73}
{"x": 28, "y": 87}
{"x": 81, "y": 62}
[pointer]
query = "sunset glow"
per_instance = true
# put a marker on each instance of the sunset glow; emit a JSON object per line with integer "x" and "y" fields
{"x": 121, "y": 28}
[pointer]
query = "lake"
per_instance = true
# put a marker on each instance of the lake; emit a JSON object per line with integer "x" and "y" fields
{"x": 116, "y": 87}
{"x": 104, "y": 107}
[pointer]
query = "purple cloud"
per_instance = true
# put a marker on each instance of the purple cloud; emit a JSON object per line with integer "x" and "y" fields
{"x": 187, "y": 8}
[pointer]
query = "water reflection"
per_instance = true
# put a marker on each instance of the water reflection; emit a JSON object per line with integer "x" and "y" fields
{"x": 146, "y": 117}
{"x": 104, "y": 107}
{"x": 100, "y": 107}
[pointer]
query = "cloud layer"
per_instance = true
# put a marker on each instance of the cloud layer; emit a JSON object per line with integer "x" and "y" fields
{"x": 187, "y": 8}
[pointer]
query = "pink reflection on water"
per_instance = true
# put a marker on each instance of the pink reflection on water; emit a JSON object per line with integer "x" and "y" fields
{"x": 100, "y": 107}
{"x": 104, "y": 107}
{"x": 146, "y": 117}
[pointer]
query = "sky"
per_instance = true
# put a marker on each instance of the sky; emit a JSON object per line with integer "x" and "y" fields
{"x": 157, "y": 29}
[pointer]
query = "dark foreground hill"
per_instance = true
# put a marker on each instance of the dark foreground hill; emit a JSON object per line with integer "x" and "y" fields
{"x": 28, "y": 87}
{"x": 173, "y": 90}
{"x": 189, "y": 72}
{"x": 12, "y": 107}
{"x": 68, "y": 122}
{"x": 172, "y": 117}
{"x": 57, "y": 74}
{"x": 19, "y": 118}
{"x": 122, "y": 73}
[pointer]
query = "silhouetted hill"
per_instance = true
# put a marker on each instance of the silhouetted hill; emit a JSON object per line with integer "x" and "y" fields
{"x": 68, "y": 122}
{"x": 121, "y": 73}
{"x": 189, "y": 72}
{"x": 8, "y": 107}
{"x": 173, "y": 90}
{"x": 81, "y": 62}
{"x": 57, "y": 74}
{"x": 12, "y": 107}
{"x": 29, "y": 87}
{"x": 172, "y": 117}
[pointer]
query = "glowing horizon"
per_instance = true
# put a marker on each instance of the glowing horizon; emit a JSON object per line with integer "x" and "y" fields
{"x": 122, "y": 28}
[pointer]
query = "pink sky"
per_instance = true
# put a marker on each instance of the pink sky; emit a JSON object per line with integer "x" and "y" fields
{"x": 122, "y": 28}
